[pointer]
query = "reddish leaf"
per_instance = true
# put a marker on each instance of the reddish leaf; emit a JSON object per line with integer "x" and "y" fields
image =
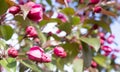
{"x": 108, "y": 13}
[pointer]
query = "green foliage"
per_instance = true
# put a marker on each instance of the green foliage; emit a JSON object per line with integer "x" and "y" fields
{"x": 102, "y": 61}
{"x": 44, "y": 22}
{"x": 68, "y": 11}
{"x": 66, "y": 27}
{"x": 2, "y": 44}
{"x": 87, "y": 55}
{"x": 6, "y": 31}
{"x": 75, "y": 20}
{"x": 31, "y": 65}
{"x": 9, "y": 64}
{"x": 78, "y": 65}
{"x": 72, "y": 50}
{"x": 49, "y": 2}
{"x": 94, "y": 42}
{"x": 102, "y": 24}
{"x": 3, "y": 6}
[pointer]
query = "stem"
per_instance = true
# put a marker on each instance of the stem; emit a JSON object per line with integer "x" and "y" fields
{"x": 41, "y": 35}
{"x": 66, "y": 3}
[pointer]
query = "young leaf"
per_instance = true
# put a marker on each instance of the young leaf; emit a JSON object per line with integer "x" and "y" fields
{"x": 78, "y": 65}
{"x": 25, "y": 9}
{"x": 108, "y": 13}
{"x": 6, "y": 31}
{"x": 75, "y": 20}
{"x": 102, "y": 61}
{"x": 94, "y": 42}
{"x": 2, "y": 44}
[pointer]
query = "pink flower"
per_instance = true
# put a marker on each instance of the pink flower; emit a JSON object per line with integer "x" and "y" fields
{"x": 14, "y": 10}
{"x": 62, "y": 17}
{"x": 107, "y": 49}
{"x": 36, "y": 12}
{"x": 101, "y": 35}
{"x": 35, "y": 53}
{"x": 45, "y": 58}
{"x": 110, "y": 39}
{"x": 97, "y": 9}
{"x": 31, "y": 31}
{"x": 12, "y": 52}
{"x": 59, "y": 51}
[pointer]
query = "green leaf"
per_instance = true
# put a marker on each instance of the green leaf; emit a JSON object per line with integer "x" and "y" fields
{"x": 75, "y": 20}
{"x": 44, "y": 22}
{"x": 49, "y": 2}
{"x": 94, "y": 42}
{"x": 2, "y": 44}
{"x": 102, "y": 61}
{"x": 87, "y": 55}
{"x": 6, "y": 31}
{"x": 9, "y": 64}
{"x": 66, "y": 27}
{"x": 68, "y": 11}
{"x": 60, "y": 64}
{"x": 78, "y": 65}
{"x": 103, "y": 24}
{"x": 31, "y": 65}
{"x": 21, "y": 21}
{"x": 41, "y": 36}
{"x": 3, "y": 7}
{"x": 56, "y": 37}
{"x": 72, "y": 50}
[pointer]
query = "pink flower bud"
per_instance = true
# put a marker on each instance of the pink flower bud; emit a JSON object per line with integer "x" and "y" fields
{"x": 93, "y": 64}
{"x": 45, "y": 58}
{"x": 110, "y": 39}
{"x": 35, "y": 53}
{"x": 102, "y": 41}
{"x": 94, "y": 1}
{"x": 101, "y": 35}
{"x": 81, "y": 1}
{"x": 58, "y": 31}
{"x": 36, "y": 13}
{"x": 59, "y": 51}
{"x": 14, "y": 10}
{"x": 31, "y": 31}
{"x": 12, "y": 52}
{"x": 62, "y": 17}
{"x": 107, "y": 49}
{"x": 97, "y": 9}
